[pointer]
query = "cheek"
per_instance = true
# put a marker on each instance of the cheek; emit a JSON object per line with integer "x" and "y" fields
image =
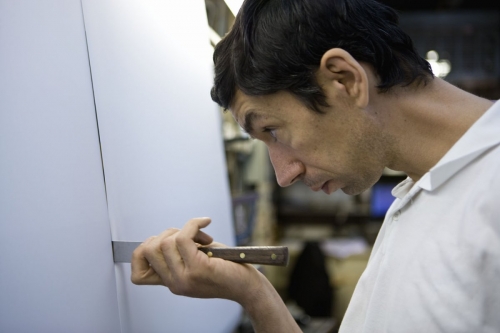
{"x": 324, "y": 157}
{"x": 307, "y": 139}
{"x": 323, "y": 147}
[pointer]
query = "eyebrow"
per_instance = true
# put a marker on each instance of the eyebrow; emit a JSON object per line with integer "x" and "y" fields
{"x": 249, "y": 119}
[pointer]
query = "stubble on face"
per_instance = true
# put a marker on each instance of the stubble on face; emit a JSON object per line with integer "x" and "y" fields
{"x": 367, "y": 156}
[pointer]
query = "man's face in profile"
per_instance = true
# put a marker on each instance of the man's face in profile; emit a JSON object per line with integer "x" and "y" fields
{"x": 338, "y": 149}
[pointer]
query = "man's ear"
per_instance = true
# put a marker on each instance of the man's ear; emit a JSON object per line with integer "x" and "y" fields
{"x": 340, "y": 71}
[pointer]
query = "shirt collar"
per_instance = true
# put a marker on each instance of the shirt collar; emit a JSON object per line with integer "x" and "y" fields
{"x": 402, "y": 188}
{"x": 481, "y": 136}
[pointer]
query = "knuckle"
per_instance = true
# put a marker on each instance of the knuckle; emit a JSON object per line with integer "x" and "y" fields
{"x": 166, "y": 244}
{"x": 179, "y": 240}
{"x": 138, "y": 250}
{"x": 148, "y": 251}
{"x": 147, "y": 240}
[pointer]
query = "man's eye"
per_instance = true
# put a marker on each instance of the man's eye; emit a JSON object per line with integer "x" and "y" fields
{"x": 271, "y": 131}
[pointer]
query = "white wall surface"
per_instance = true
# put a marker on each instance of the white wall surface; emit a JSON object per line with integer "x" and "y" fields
{"x": 162, "y": 153}
{"x": 161, "y": 142}
{"x": 56, "y": 266}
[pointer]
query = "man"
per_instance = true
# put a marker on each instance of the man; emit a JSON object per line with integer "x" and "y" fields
{"x": 337, "y": 92}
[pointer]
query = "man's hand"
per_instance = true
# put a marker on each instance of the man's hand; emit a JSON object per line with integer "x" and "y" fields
{"x": 172, "y": 259}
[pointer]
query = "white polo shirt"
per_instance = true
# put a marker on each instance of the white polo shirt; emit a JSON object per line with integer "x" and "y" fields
{"x": 435, "y": 266}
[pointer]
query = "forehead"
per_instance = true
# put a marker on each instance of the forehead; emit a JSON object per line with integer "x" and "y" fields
{"x": 247, "y": 109}
{"x": 243, "y": 104}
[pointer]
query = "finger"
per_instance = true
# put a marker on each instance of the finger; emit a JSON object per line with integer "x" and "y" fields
{"x": 184, "y": 239}
{"x": 138, "y": 262}
{"x": 203, "y": 238}
{"x": 141, "y": 271}
{"x": 153, "y": 254}
{"x": 144, "y": 262}
{"x": 172, "y": 256}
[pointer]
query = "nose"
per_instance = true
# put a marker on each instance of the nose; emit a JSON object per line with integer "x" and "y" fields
{"x": 288, "y": 169}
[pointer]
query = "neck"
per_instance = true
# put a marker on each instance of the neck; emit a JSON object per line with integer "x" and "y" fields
{"x": 425, "y": 122}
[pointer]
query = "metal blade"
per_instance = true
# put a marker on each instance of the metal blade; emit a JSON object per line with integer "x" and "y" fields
{"x": 122, "y": 251}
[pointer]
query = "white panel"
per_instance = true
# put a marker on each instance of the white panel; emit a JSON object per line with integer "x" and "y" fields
{"x": 55, "y": 255}
{"x": 162, "y": 144}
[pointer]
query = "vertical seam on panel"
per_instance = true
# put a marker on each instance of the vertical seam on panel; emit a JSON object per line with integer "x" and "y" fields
{"x": 95, "y": 106}
{"x": 120, "y": 319}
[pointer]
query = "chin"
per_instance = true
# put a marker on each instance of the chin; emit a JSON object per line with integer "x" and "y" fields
{"x": 360, "y": 186}
{"x": 350, "y": 190}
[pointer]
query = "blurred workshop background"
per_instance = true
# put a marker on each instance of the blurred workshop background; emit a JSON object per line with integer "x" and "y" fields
{"x": 330, "y": 237}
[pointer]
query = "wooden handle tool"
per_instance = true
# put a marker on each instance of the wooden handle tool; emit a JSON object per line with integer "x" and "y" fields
{"x": 263, "y": 255}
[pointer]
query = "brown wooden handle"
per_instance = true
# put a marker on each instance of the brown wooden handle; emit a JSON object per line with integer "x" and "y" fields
{"x": 263, "y": 255}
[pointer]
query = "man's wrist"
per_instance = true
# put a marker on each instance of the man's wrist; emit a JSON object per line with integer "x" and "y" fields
{"x": 266, "y": 309}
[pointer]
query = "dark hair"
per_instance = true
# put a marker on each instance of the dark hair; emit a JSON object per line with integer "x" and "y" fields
{"x": 277, "y": 45}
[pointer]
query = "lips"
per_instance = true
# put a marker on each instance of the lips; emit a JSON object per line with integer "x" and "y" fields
{"x": 330, "y": 186}
{"x": 325, "y": 187}
{"x": 317, "y": 188}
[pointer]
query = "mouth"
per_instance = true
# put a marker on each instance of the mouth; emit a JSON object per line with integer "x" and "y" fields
{"x": 329, "y": 187}
{"x": 317, "y": 188}
{"x": 324, "y": 188}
